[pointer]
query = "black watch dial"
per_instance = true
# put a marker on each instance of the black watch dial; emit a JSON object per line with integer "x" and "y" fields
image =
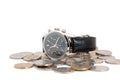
{"x": 55, "y": 45}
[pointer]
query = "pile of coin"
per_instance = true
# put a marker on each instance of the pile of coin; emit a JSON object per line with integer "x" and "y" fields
{"x": 81, "y": 61}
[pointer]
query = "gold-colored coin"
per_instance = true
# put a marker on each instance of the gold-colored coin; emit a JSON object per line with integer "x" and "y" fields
{"x": 81, "y": 66}
{"x": 23, "y": 65}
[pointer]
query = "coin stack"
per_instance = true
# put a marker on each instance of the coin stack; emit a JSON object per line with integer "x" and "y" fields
{"x": 81, "y": 61}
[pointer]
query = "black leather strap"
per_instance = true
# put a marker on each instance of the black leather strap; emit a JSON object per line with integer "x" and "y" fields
{"x": 83, "y": 44}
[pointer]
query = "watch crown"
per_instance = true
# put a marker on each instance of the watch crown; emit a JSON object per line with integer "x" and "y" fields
{"x": 57, "y": 29}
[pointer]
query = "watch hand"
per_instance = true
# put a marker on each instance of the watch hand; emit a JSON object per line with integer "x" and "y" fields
{"x": 50, "y": 42}
{"x": 56, "y": 41}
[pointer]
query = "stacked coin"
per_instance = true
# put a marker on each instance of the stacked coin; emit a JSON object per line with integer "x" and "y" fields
{"x": 104, "y": 56}
{"x": 80, "y": 61}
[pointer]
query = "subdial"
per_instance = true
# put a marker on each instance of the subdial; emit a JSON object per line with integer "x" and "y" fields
{"x": 55, "y": 52}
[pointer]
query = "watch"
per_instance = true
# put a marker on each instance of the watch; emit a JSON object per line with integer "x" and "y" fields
{"x": 56, "y": 43}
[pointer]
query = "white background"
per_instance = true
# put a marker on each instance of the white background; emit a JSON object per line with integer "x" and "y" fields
{"x": 24, "y": 22}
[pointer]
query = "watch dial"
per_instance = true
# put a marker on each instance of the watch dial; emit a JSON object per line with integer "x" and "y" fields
{"x": 55, "y": 45}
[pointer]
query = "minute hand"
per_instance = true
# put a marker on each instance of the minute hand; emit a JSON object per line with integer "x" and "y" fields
{"x": 56, "y": 41}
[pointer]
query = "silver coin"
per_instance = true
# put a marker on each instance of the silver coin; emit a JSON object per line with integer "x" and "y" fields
{"x": 69, "y": 61}
{"x": 39, "y": 53}
{"x": 59, "y": 62}
{"x": 32, "y": 57}
{"x": 62, "y": 68}
{"x": 93, "y": 54}
{"x": 104, "y": 52}
{"x": 20, "y": 55}
{"x": 106, "y": 57}
{"x": 63, "y": 59}
{"x": 83, "y": 55}
{"x": 98, "y": 61}
{"x": 113, "y": 61}
{"x": 77, "y": 59}
{"x": 43, "y": 63}
{"x": 99, "y": 68}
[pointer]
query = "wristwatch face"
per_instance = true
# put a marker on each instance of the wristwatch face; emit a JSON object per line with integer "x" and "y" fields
{"x": 55, "y": 45}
